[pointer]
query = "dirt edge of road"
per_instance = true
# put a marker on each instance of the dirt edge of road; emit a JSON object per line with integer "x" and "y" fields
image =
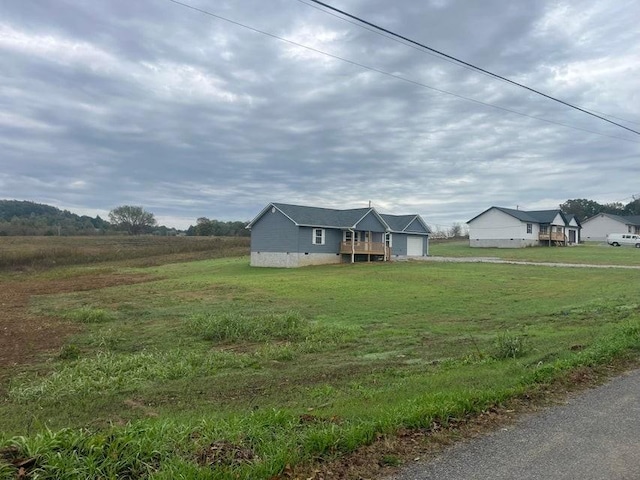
{"x": 388, "y": 453}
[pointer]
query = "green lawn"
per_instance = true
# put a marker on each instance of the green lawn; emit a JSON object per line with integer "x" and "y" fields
{"x": 217, "y": 370}
{"x": 591, "y": 253}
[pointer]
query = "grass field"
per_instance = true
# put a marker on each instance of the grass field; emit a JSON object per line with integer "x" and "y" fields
{"x": 594, "y": 253}
{"x": 38, "y": 252}
{"x": 213, "y": 369}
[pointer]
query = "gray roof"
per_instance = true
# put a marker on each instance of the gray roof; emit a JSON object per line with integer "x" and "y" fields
{"x": 400, "y": 223}
{"x": 626, "y": 219}
{"x": 345, "y": 219}
{"x": 632, "y": 219}
{"x": 322, "y": 217}
{"x": 535, "y": 216}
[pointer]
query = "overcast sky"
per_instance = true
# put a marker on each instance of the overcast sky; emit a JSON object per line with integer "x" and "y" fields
{"x": 146, "y": 102}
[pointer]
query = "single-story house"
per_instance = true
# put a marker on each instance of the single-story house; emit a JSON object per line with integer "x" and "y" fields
{"x": 508, "y": 228}
{"x": 285, "y": 235}
{"x": 597, "y": 228}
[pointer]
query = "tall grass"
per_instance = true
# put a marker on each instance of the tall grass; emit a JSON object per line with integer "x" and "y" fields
{"x": 232, "y": 326}
{"x": 44, "y": 252}
{"x": 110, "y": 372}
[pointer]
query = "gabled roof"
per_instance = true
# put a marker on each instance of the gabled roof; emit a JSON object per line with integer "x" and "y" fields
{"x": 304, "y": 216}
{"x": 400, "y": 223}
{"x": 534, "y": 216}
{"x": 571, "y": 216}
{"x": 626, "y": 219}
{"x": 322, "y": 217}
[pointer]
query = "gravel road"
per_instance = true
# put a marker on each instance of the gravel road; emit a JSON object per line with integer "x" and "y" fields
{"x": 517, "y": 262}
{"x": 594, "y": 436}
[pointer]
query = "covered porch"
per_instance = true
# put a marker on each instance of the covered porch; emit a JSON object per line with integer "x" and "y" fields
{"x": 365, "y": 245}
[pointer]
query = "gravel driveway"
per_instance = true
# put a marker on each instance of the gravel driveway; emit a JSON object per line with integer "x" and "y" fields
{"x": 518, "y": 262}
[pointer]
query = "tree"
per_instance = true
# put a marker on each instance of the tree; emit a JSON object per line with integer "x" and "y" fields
{"x": 132, "y": 218}
{"x": 632, "y": 208}
{"x": 581, "y": 208}
{"x": 204, "y": 228}
{"x": 455, "y": 230}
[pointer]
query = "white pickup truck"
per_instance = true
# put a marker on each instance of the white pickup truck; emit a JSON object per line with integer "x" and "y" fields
{"x": 620, "y": 239}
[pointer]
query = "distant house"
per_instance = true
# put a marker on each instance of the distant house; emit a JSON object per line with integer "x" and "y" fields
{"x": 597, "y": 228}
{"x": 508, "y": 228}
{"x": 285, "y": 235}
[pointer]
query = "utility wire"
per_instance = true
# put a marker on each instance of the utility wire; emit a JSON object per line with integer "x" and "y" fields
{"x": 462, "y": 62}
{"x": 397, "y": 40}
{"x": 392, "y": 75}
{"x": 422, "y": 50}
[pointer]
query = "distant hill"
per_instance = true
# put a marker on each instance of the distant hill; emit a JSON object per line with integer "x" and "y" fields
{"x": 18, "y": 217}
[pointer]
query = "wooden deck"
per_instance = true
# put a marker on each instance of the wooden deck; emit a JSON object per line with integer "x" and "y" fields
{"x": 366, "y": 248}
{"x": 555, "y": 237}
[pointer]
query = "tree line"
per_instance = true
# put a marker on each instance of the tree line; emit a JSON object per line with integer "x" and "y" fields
{"x": 24, "y": 218}
{"x": 583, "y": 208}
{"x": 205, "y": 227}
{"x": 30, "y": 218}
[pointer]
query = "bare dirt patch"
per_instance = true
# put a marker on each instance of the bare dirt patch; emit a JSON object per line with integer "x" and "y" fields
{"x": 23, "y": 336}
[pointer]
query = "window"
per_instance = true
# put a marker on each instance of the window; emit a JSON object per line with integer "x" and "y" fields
{"x": 544, "y": 229}
{"x": 356, "y": 236}
{"x": 389, "y": 240}
{"x": 318, "y": 236}
{"x": 529, "y": 228}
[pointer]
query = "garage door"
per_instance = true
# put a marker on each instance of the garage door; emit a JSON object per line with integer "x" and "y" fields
{"x": 414, "y": 246}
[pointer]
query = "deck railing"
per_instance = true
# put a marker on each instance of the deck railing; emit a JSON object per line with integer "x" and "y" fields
{"x": 554, "y": 236}
{"x": 368, "y": 248}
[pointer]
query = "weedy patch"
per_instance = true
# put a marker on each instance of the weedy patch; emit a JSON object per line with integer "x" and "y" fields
{"x": 69, "y": 352}
{"x": 509, "y": 345}
{"x": 235, "y": 327}
{"x": 224, "y": 453}
{"x": 111, "y": 372}
{"x": 90, "y": 315}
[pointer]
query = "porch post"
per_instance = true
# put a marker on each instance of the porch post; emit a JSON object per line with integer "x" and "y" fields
{"x": 353, "y": 246}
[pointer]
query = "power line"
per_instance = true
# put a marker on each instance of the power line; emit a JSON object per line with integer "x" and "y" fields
{"x": 462, "y": 62}
{"x": 439, "y": 57}
{"x": 421, "y": 50}
{"x": 392, "y": 75}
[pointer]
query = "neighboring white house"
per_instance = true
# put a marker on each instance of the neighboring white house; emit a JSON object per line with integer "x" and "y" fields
{"x": 596, "y": 228}
{"x": 508, "y": 228}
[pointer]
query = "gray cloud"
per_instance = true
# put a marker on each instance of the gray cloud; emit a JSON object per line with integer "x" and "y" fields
{"x": 151, "y": 103}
